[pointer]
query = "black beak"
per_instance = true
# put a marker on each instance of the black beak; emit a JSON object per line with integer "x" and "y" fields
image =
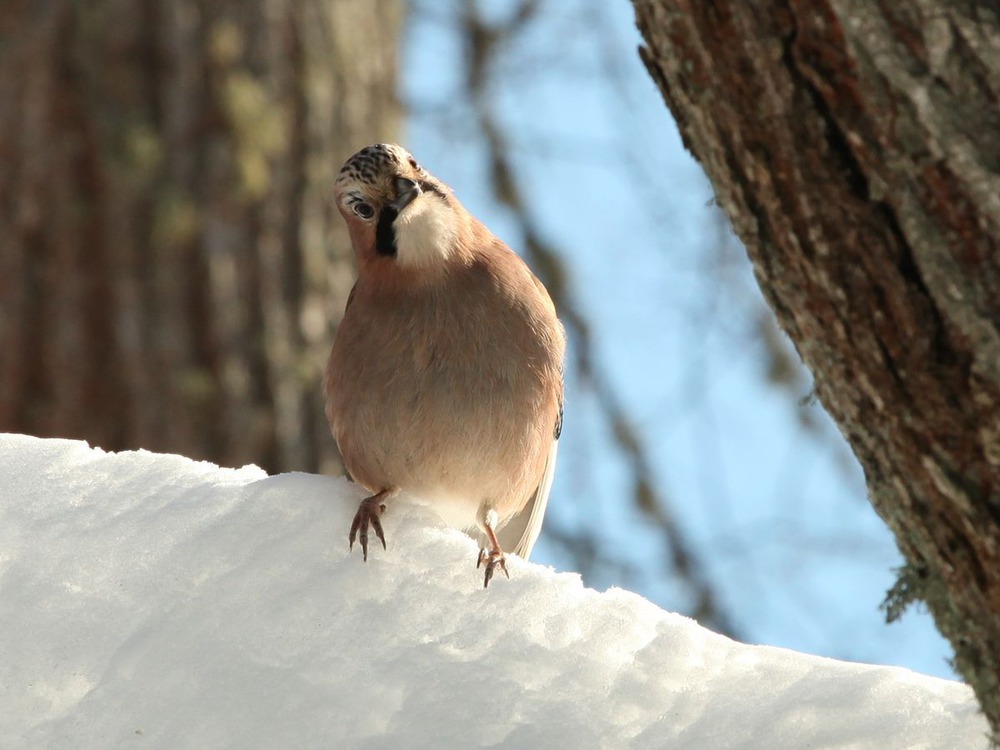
{"x": 385, "y": 234}
{"x": 406, "y": 191}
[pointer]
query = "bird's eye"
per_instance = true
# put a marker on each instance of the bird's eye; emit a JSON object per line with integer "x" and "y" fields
{"x": 364, "y": 210}
{"x": 413, "y": 163}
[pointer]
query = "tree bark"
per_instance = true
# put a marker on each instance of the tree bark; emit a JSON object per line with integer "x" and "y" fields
{"x": 170, "y": 266}
{"x": 855, "y": 145}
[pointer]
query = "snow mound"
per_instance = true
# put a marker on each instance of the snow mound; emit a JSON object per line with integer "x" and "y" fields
{"x": 151, "y": 601}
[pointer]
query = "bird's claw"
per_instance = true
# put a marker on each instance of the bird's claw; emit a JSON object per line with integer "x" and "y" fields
{"x": 369, "y": 511}
{"x": 493, "y": 559}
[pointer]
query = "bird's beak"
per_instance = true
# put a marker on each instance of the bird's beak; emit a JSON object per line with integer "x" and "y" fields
{"x": 406, "y": 191}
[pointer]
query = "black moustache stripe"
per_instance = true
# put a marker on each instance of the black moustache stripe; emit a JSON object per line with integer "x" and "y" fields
{"x": 385, "y": 235}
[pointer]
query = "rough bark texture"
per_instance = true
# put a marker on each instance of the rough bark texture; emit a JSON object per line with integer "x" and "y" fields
{"x": 170, "y": 265}
{"x": 855, "y": 144}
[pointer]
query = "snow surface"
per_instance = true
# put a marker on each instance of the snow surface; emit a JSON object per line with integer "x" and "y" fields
{"x": 151, "y": 601}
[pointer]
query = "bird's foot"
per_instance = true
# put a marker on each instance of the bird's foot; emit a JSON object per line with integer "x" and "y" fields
{"x": 493, "y": 558}
{"x": 369, "y": 512}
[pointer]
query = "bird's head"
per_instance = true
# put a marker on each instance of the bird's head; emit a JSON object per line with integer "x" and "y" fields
{"x": 397, "y": 214}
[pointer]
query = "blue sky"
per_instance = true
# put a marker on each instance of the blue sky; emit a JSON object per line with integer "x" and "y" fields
{"x": 777, "y": 512}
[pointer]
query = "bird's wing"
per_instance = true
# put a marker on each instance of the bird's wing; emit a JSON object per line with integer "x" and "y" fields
{"x": 521, "y": 532}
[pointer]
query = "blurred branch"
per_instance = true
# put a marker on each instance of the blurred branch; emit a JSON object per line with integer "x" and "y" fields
{"x": 783, "y": 369}
{"x": 483, "y": 41}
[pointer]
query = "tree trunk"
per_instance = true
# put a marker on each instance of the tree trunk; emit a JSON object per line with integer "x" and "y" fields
{"x": 170, "y": 265}
{"x": 856, "y": 148}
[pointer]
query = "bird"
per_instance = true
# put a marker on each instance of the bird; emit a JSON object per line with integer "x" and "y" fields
{"x": 445, "y": 379}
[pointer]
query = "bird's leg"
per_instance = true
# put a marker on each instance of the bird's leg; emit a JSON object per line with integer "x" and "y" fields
{"x": 369, "y": 511}
{"x": 495, "y": 555}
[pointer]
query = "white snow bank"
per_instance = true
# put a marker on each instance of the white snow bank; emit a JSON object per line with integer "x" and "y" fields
{"x": 149, "y": 601}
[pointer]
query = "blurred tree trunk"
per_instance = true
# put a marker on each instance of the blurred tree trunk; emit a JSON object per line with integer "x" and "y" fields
{"x": 170, "y": 265}
{"x": 856, "y": 147}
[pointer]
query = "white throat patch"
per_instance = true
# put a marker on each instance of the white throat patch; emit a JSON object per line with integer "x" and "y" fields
{"x": 425, "y": 232}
